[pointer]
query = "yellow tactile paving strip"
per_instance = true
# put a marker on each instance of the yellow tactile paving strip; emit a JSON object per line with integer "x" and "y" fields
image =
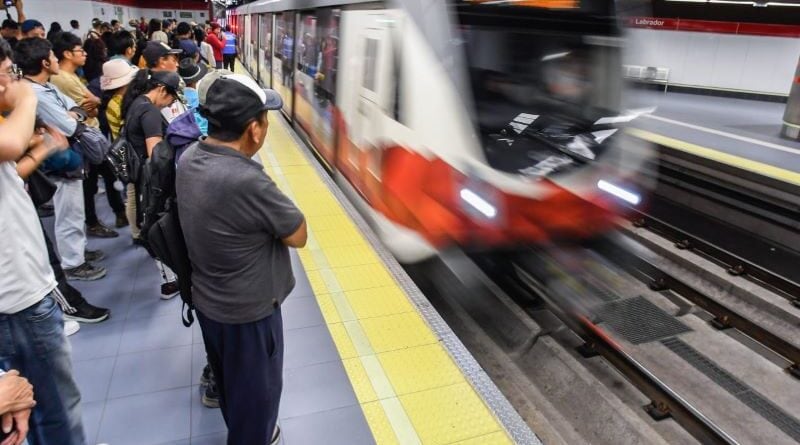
{"x": 409, "y": 388}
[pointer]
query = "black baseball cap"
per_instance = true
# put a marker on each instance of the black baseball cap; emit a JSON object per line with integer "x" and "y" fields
{"x": 169, "y": 79}
{"x": 156, "y": 50}
{"x": 233, "y": 100}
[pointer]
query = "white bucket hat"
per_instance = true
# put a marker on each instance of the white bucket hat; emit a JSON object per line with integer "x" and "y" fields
{"x": 117, "y": 73}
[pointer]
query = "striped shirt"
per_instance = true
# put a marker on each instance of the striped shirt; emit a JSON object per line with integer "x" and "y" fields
{"x": 114, "y": 115}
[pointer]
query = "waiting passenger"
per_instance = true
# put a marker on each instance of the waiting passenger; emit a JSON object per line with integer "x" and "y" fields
{"x": 217, "y": 41}
{"x": 148, "y": 93}
{"x": 122, "y": 45}
{"x": 237, "y": 225}
{"x": 35, "y": 58}
{"x": 32, "y": 28}
{"x": 191, "y": 73}
{"x": 31, "y": 324}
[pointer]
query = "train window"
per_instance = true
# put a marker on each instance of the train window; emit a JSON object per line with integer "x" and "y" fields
{"x": 283, "y": 63}
{"x": 264, "y": 49}
{"x": 370, "y": 62}
{"x": 315, "y": 76}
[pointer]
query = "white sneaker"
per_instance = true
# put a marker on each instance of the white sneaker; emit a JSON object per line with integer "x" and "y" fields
{"x": 71, "y": 327}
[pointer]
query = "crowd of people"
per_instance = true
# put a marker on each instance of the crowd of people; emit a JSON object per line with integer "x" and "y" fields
{"x": 157, "y": 89}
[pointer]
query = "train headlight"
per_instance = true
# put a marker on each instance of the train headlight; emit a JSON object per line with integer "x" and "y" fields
{"x": 479, "y": 203}
{"x": 625, "y": 195}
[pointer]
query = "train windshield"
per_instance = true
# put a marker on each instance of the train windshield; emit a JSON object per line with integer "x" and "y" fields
{"x": 540, "y": 95}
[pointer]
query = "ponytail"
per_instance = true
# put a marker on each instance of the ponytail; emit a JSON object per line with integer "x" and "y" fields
{"x": 140, "y": 84}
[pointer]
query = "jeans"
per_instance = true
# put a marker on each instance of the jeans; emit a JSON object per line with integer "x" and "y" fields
{"x": 32, "y": 341}
{"x": 247, "y": 362}
{"x": 90, "y": 189}
{"x": 70, "y": 231}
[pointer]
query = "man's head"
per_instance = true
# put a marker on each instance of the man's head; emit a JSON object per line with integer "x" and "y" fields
{"x": 32, "y": 28}
{"x": 166, "y": 25}
{"x": 7, "y": 72}
{"x": 215, "y": 28}
{"x": 122, "y": 43}
{"x": 183, "y": 29}
{"x": 9, "y": 29}
{"x": 191, "y": 72}
{"x": 160, "y": 57}
{"x": 74, "y": 24}
{"x": 68, "y": 48}
{"x": 154, "y": 25}
{"x": 96, "y": 23}
{"x": 115, "y": 25}
{"x": 34, "y": 56}
{"x": 236, "y": 109}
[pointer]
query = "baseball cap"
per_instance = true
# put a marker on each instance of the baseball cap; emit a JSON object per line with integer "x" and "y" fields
{"x": 156, "y": 50}
{"x": 169, "y": 79}
{"x": 233, "y": 100}
{"x": 207, "y": 80}
{"x": 31, "y": 24}
{"x": 189, "y": 47}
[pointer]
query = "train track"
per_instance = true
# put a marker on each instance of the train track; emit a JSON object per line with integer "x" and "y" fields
{"x": 580, "y": 300}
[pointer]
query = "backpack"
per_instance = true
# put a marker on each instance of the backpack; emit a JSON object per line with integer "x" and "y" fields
{"x": 160, "y": 225}
{"x": 166, "y": 242}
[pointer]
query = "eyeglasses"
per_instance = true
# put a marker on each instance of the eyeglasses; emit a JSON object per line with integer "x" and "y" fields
{"x": 13, "y": 72}
{"x": 79, "y": 50}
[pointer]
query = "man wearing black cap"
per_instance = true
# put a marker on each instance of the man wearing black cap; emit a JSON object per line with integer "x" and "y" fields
{"x": 160, "y": 57}
{"x": 238, "y": 227}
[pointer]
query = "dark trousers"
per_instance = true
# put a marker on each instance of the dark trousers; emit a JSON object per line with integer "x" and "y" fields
{"x": 90, "y": 189}
{"x": 72, "y": 296}
{"x": 228, "y": 61}
{"x": 247, "y": 361}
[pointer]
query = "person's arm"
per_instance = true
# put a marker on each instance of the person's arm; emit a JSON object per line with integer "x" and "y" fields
{"x": 20, "y": 11}
{"x": 53, "y": 112}
{"x": 151, "y": 143}
{"x": 41, "y": 147}
{"x": 299, "y": 238}
{"x": 17, "y": 129}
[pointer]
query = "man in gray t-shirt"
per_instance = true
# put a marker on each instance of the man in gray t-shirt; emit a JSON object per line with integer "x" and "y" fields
{"x": 238, "y": 227}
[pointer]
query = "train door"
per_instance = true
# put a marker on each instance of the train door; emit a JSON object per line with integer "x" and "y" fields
{"x": 255, "y": 66}
{"x": 369, "y": 81}
{"x": 246, "y": 41}
{"x": 265, "y": 50}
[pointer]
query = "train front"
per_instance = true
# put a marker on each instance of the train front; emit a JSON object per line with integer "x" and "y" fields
{"x": 544, "y": 91}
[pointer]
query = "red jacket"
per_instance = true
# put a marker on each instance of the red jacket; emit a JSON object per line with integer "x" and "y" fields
{"x": 216, "y": 44}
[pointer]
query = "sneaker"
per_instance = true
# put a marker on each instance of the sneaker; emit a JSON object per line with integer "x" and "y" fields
{"x": 276, "y": 435}
{"x": 93, "y": 255}
{"x": 211, "y": 396}
{"x": 207, "y": 377}
{"x": 85, "y": 272}
{"x": 100, "y": 231}
{"x": 169, "y": 290}
{"x": 121, "y": 221}
{"x": 86, "y": 313}
{"x": 71, "y": 327}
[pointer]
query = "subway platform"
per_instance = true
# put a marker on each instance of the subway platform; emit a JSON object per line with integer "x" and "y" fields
{"x": 367, "y": 358}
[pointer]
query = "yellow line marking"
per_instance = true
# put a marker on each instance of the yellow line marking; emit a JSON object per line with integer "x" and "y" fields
{"x": 366, "y": 311}
{"x": 725, "y": 158}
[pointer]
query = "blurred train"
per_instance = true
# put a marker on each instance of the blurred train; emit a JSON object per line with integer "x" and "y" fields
{"x": 481, "y": 124}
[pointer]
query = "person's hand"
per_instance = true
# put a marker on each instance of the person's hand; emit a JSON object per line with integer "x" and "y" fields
{"x": 16, "y": 94}
{"x": 15, "y": 393}
{"x": 20, "y": 420}
{"x": 53, "y": 140}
